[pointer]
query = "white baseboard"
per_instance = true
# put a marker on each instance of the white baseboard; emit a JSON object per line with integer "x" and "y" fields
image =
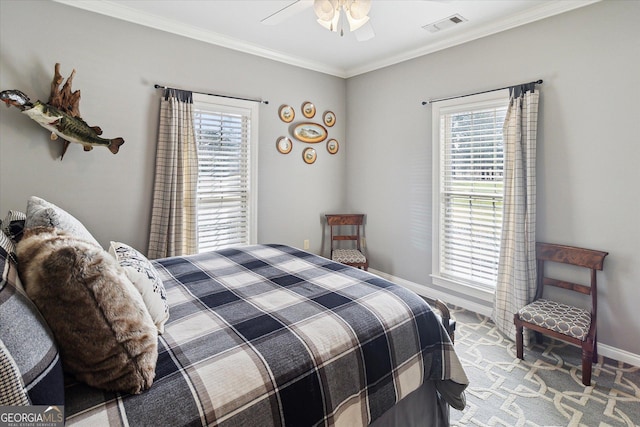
{"x": 427, "y": 292}
{"x": 618, "y": 354}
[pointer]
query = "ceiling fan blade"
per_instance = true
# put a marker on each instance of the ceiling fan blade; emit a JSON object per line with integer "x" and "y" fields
{"x": 364, "y": 33}
{"x": 287, "y": 12}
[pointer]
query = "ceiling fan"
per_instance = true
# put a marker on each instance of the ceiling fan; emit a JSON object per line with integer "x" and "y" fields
{"x": 329, "y": 13}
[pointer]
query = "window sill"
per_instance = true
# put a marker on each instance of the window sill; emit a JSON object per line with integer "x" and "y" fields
{"x": 464, "y": 288}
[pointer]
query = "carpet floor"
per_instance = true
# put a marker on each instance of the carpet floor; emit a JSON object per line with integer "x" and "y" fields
{"x": 543, "y": 390}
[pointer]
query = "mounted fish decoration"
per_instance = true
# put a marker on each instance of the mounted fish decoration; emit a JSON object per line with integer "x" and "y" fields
{"x": 61, "y": 115}
{"x": 71, "y": 129}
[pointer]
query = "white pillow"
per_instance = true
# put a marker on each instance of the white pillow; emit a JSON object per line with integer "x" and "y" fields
{"x": 46, "y": 214}
{"x": 146, "y": 279}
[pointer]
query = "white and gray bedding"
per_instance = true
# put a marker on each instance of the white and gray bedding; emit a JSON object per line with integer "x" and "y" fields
{"x": 269, "y": 335}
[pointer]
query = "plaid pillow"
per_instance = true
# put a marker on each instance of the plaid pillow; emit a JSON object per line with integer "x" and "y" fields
{"x": 13, "y": 225}
{"x": 26, "y": 337}
{"x": 12, "y": 392}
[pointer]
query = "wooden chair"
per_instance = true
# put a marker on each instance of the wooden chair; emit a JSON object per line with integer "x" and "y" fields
{"x": 563, "y": 321}
{"x": 339, "y": 223}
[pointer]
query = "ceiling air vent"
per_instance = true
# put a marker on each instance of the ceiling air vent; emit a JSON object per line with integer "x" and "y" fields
{"x": 443, "y": 24}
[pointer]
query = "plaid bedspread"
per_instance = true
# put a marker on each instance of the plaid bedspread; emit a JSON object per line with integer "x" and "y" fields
{"x": 269, "y": 335}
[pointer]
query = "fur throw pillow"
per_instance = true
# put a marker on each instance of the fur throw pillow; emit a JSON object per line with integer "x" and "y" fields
{"x": 105, "y": 333}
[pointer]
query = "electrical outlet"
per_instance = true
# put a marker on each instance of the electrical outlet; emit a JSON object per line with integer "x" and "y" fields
{"x": 363, "y": 242}
{"x": 306, "y": 244}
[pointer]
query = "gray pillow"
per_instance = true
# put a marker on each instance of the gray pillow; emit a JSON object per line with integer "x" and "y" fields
{"x": 41, "y": 213}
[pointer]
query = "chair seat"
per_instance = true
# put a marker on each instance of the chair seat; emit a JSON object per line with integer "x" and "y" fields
{"x": 568, "y": 320}
{"x": 348, "y": 256}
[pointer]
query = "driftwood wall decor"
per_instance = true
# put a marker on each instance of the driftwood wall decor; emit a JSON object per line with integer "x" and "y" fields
{"x": 61, "y": 115}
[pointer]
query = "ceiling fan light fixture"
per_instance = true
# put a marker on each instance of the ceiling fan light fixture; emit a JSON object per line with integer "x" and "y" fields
{"x": 326, "y": 10}
{"x": 354, "y": 24}
{"x": 331, "y": 25}
{"x": 328, "y": 13}
{"x": 358, "y": 9}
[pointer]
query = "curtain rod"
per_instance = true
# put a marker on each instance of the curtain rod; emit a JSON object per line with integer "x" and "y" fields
{"x": 538, "y": 82}
{"x": 214, "y": 94}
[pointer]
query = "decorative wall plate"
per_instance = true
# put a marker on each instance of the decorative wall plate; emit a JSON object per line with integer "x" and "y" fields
{"x": 308, "y": 110}
{"x": 332, "y": 146}
{"x": 284, "y": 145}
{"x": 310, "y": 132}
{"x": 329, "y": 118}
{"x": 309, "y": 155}
{"x": 286, "y": 113}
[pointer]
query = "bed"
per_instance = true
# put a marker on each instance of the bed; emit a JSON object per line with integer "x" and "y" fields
{"x": 262, "y": 335}
{"x": 269, "y": 335}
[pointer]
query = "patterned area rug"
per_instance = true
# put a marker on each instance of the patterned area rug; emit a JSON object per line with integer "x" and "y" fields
{"x": 543, "y": 390}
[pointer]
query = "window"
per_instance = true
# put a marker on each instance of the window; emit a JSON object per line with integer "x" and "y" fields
{"x": 468, "y": 189}
{"x": 226, "y": 133}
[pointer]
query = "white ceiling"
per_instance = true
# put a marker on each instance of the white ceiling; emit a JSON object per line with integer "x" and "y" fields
{"x": 301, "y": 41}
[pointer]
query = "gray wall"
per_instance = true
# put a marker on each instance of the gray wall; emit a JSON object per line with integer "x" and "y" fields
{"x": 116, "y": 65}
{"x": 588, "y": 146}
{"x": 588, "y": 154}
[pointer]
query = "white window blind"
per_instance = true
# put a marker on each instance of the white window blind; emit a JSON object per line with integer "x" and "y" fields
{"x": 226, "y": 190}
{"x": 470, "y": 194}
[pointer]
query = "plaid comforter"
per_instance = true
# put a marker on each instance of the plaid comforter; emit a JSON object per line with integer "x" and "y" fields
{"x": 269, "y": 335}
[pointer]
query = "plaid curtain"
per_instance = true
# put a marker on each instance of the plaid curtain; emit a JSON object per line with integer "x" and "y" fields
{"x": 516, "y": 284}
{"x": 173, "y": 216}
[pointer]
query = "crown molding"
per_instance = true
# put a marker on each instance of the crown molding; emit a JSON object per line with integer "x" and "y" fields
{"x": 534, "y": 14}
{"x": 125, "y": 13}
